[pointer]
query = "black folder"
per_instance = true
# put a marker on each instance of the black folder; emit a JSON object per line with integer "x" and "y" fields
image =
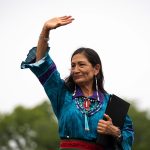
{"x": 117, "y": 109}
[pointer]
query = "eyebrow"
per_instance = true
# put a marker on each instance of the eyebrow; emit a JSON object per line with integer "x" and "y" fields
{"x": 79, "y": 62}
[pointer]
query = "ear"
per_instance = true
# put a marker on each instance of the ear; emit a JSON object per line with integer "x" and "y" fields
{"x": 96, "y": 69}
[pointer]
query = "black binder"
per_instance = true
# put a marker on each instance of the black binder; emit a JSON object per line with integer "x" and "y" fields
{"x": 117, "y": 109}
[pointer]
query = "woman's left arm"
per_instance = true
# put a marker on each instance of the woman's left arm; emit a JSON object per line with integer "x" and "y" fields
{"x": 127, "y": 134}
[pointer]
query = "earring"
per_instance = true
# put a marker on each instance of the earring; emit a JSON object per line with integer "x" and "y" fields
{"x": 97, "y": 88}
{"x": 74, "y": 90}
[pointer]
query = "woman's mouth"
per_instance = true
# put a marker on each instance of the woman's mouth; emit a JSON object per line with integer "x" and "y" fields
{"x": 77, "y": 77}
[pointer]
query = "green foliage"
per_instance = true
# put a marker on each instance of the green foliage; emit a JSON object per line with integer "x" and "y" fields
{"x": 36, "y": 129}
{"x": 29, "y": 129}
{"x": 141, "y": 126}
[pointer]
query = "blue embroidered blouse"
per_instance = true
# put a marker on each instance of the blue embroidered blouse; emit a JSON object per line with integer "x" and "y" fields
{"x": 70, "y": 117}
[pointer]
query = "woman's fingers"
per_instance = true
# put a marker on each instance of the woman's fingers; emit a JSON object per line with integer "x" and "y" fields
{"x": 64, "y": 20}
{"x": 107, "y": 117}
{"x": 65, "y": 17}
{"x": 104, "y": 127}
{"x": 58, "y": 21}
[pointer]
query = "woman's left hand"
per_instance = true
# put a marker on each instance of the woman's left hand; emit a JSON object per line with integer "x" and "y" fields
{"x": 107, "y": 127}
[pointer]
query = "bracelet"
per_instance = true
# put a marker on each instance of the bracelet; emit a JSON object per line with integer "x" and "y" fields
{"x": 44, "y": 38}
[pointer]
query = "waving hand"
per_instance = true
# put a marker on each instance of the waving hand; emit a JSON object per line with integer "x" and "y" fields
{"x": 57, "y": 22}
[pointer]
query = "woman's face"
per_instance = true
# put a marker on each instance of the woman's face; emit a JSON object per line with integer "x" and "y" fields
{"x": 82, "y": 70}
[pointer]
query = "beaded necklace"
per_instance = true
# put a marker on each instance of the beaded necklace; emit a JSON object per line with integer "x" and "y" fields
{"x": 88, "y": 107}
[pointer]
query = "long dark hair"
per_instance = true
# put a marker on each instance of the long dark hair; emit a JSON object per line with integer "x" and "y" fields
{"x": 94, "y": 59}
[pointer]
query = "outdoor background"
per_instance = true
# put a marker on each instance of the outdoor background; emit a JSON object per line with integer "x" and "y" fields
{"x": 119, "y": 30}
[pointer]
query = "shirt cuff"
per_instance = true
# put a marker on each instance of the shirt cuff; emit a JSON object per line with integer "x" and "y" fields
{"x": 30, "y": 61}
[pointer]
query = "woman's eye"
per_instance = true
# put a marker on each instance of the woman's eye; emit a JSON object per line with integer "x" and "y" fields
{"x": 82, "y": 64}
{"x": 72, "y": 66}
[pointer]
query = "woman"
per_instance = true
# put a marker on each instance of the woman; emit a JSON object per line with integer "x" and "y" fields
{"x": 79, "y": 102}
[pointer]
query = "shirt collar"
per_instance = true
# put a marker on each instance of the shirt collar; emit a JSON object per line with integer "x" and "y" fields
{"x": 79, "y": 93}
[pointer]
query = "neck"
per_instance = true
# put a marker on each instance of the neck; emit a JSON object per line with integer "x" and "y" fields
{"x": 87, "y": 90}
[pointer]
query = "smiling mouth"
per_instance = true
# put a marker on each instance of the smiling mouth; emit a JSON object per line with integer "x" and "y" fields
{"x": 77, "y": 77}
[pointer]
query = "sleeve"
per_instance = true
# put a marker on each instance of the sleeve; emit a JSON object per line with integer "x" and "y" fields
{"x": 46, "y": 72}
{"x": 127, "y": 134}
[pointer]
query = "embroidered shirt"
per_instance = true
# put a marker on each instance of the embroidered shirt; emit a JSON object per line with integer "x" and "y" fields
{"x": 70, "y": 118}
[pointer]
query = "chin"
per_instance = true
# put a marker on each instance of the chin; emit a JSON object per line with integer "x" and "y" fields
{"x": 79, "y": 82}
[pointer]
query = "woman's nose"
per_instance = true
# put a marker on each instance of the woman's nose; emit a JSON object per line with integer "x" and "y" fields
{"x": 75, "y": 69}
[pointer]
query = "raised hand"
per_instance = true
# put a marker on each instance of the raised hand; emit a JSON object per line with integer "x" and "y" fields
{"x": 44, "y": 36}
{"x": 57, "y": 22}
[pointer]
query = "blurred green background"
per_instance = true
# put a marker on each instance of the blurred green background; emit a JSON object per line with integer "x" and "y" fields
{"x": 36, "y": 128}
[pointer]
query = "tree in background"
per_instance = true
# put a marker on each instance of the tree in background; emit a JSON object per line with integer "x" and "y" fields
{"x": 36, "y": 129}
{"x": 141, "y": 122}
{"x": 29, "y": 129}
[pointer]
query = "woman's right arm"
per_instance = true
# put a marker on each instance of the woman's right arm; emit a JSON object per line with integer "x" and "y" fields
{"x": 44, "y": 36}
{"x": 41, "y": 64}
